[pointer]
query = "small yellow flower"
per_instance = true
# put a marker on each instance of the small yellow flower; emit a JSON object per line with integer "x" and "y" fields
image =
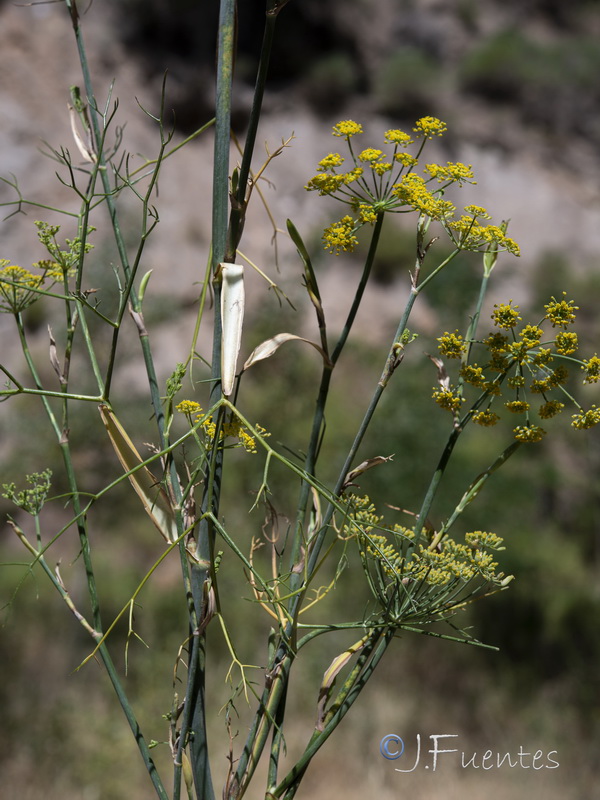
{"x": 550, "y": 409}
{"x": 558, "y": 377}
{"x": 352, "y": 175}
{"x": 529, "y": 433}
{"x": 493, "y": 388}
{"x": 406, "y": 159}
{"x": 531, "y": 334}
{"x": 592, "y": 369}
{"x": 485, "y": 418}
{"x": 412, "y": 191}
{"x": 517, "y": 406}
{"x": 473, "y": 375}
{"x": 381, "y": 167}
{"x": 370, "y": 155}
{"x": 52, "y": 269}
{"x": 457, "y": 173}
{"x": 543, "y": 357}
{"x": 566, "y": 342}
{"x": 483, "y": 539}
{"x": 347, "y": 128}
{"x": 396, "y": 136}
{"x": 324, "y": 183}
{"x": 430, "y": 127}
{"x": 188, "y": 407}
{"x": 510, "y": 245}
{"x": 209, "y": 427}
{"x": 519, "y": 350}
{"x": 236, "y": 430}
{"x": 586, "y": 419}
{"x": 477, "y": 211}
{"x": 340, "y": 237}
{"x": 473, "y": 236}
{"x": 560, "y": 312}
{"x": 331, "y": 161}
{"x": 452, "y": 345}
{"x": 539, "y": 386}
{"x": 366, "y": 213}
{"x": 16, "y": 284}
{"x": 484, "y": 564}
{"x": 505, "y": 315}
{"x": 448, "y": 399}
{"x": 498, "y": 362}
{"x": 516, "y": 381}
{"x": 497, "y": 342}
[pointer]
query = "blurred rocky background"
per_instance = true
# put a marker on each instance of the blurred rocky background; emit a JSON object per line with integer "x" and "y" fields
{"x": 517, "y": 83}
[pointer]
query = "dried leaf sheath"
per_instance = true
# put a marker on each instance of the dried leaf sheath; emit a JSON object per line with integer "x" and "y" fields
{"x": 232, "y": 317}
{"x": 153, "y": 497}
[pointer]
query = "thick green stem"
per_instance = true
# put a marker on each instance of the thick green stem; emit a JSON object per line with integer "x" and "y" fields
{"x": 477, "y": 486}
{"x": 282, "y": 662}
{"x": 201, "y": 574}
{"x": 373, "y": 653}
{"x": 319, "y": 416}
{"x": 453, "y": 438}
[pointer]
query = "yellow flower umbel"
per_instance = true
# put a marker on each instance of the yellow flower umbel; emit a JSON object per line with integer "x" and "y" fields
{"x": 561, "y": 312}
{"x": 443, "y": 575}
{"x": 384, "y": 180}
{"x": 505, "y": 316}
{"x": 430, "y": 127}
{"x": 591, "y": 369}
{"x": 521, "y": 363}
{"x": 452, "y": 345}
{"x": 17, "y": 287}
{"x": 340, "y": 237}
{"x": 233, "y": 429}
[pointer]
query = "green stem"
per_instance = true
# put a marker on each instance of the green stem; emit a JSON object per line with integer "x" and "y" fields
{"x": 34, "y": 374}
{"x": 91, "y": 580}
{"x": 476, "y": 487}
{"x": 319, "y": 416}
{"x": 238, "y": 210}
{"x": 272, "y": 695}
{"x": 195, "y": 693}
{"x": 453, "y": 438}
{"x": 349, "y": 693}
{"x": 98, "y": 137}
{"x": 434, "y": 483}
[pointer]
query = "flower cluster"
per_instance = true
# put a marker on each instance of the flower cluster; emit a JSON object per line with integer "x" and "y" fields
{"x": 447, "y": 564}
{"x": 64, "y": 262}
{"x": 233, "y": 429}
{"x": 381, "y": 180}
{"x": 518, "y": 359}
{"x": 340, "y": 236}
{"x": 30, "y": 500}
{"x": 17, "y": 287}
{"x": 20, "y": 288}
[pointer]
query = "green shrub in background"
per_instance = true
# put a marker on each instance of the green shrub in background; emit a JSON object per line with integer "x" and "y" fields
{"x": 413, "y": 567}
{"x": 331, "y": 82}
{"x": 553, "y": 83}
{"x": 406, "y": 83}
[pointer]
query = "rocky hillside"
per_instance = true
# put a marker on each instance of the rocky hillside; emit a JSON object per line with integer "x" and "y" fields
{"x": 516, "y": 81}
